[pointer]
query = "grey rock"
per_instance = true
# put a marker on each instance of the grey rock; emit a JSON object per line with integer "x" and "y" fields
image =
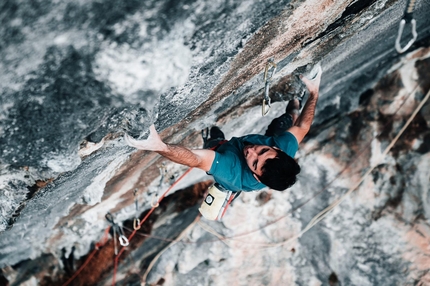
{"x": 76, "y": 76}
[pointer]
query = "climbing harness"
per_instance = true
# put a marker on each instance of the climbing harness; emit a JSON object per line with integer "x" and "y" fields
{"x": 218, "y": 198}
{"x": 136, "y": 220}
{"x": 407, "y": 18}
{"x": 117, "y": 230}
{"x": 267, "y": 78}
{"x": 212, "y": 143}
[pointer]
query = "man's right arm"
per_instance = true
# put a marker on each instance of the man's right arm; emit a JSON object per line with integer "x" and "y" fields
{"x": 201, "y": 159}
{"x": 304, "y": 121}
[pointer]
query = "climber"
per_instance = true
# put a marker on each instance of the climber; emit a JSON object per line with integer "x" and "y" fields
{"x": 250, "y": 162}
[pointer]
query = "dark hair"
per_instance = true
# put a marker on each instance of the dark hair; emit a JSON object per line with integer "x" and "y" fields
{"x": 279, "y": 173}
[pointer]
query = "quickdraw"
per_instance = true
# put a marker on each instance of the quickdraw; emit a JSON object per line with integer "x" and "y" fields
{"x": 136, "y": 220}
{"x": 117, "y": 230}
{"x": 155, "y": 199}
{"x": 407, "y": 18}
{"x": 205, "y": 135}
{"x": 267, "y": 78}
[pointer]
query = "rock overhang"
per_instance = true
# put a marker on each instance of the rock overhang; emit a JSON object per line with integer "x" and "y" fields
{"x": 354, "y": 42}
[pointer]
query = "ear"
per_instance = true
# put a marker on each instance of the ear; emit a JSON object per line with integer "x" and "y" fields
{"x": 256, "y": 177}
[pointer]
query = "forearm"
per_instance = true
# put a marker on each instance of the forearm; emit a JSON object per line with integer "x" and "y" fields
{"x": 201, "y": 158}
{"x": 304, "y": 121}
{"x": 180, "y": 155}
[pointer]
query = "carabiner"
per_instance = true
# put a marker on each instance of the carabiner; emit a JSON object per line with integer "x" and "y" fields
{"x": 399, "y": 36}
{"x": 136, "y": 223}
{"x": 154, "y": 201}
{"x": 205, "y": 134}
{"x": 114, "y": 240}
{"x": 267, "y": 78}
{"x": 123, "y": 240}
{"x": 136, "y": 204}
{"x": 264, "y": 110}
{"x": 117, "y": 229}
{"x": 162, "y": 169}
{"x": 270, "y": 62}
{"x": 109, "y": 218}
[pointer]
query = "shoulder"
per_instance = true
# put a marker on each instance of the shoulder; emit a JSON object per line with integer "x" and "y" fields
{"x": 205, "y": 158}
{"x": 288, "y": 143}
{"x": 257, "y": 139}
{"x": 224, "y": 161}
{"x": 234, "y": 145}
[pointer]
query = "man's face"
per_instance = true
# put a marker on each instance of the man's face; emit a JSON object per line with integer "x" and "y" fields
{"x": 256, "y": 156}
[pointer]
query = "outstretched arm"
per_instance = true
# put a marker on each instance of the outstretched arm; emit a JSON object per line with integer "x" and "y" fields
{"x": 304, "y": 121}
{"x": 201, "y": 159}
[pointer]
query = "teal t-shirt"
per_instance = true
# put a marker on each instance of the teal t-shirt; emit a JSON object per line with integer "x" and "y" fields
{"x": 229, "y": 167}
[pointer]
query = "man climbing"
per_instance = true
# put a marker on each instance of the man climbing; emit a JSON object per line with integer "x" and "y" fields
{"x": 250, "y": 162}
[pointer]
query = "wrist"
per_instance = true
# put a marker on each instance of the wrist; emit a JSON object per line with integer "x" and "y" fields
{"x": 162, "y": 147}
{"x": 314, "y": 93}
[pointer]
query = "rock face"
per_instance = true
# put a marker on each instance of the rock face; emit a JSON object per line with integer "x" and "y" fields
{"x": 77, "y": 75}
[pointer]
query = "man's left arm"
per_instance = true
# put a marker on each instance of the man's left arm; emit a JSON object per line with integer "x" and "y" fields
{"x": 199, "y": 158}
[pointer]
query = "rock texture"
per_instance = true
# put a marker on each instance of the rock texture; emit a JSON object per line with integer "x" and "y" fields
{"x": 76, "y": 75}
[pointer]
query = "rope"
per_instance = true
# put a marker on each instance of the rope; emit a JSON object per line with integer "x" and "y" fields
{"x": 265, "y": 107}
{"x": 324, "y": 213}
{"x": 154, "y": 206}
{"x": 327, "y": 210}
{"x": 335, "y": 178}
{"x": 312, "y": 223}
{"x": 142, "y": 221}
{"x": 214, "y": 232}
{"x": 174, "y": 241}
{"x": 222, "y": 238}
{"x": 99, "y": 244}
{"x": 104, "y": 238}
{"x": 147, "y": 235}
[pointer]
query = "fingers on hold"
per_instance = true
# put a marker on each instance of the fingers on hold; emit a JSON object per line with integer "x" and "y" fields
{"x": 127, "y": 139}
{"x": 152, "y": 129}
{"x": 305, "y": 80}
{"x": 130, "y": 141}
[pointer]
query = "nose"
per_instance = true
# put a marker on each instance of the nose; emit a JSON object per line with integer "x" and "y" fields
{"x": 252, "y": 151}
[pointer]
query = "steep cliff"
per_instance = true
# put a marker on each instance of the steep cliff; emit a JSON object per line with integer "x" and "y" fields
{"x": 77, "y": 75}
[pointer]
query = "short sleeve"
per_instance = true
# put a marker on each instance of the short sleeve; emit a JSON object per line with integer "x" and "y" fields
{"x": 226, "y": 171}
{"x": 287, "y": 142}
{"x": 231, "y": 173}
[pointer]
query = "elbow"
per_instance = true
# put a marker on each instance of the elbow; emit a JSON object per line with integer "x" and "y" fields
{"x": 304, "y": 127}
